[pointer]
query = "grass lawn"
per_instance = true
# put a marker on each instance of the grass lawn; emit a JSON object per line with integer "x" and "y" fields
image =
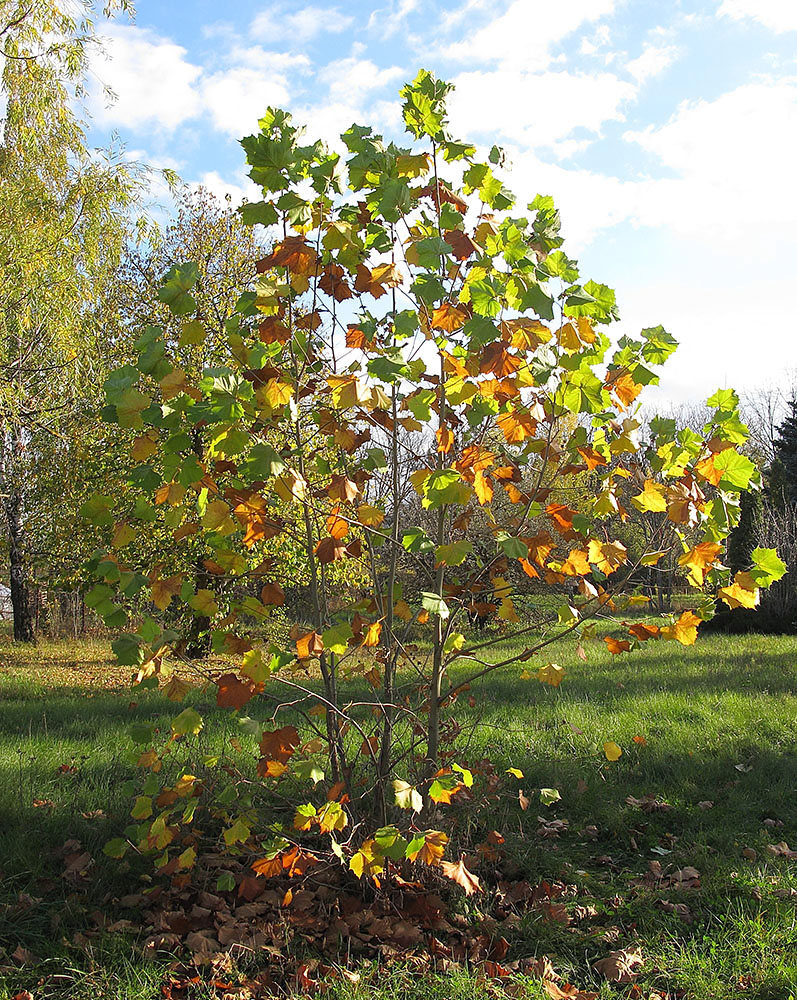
{"x": 715, "y": 723}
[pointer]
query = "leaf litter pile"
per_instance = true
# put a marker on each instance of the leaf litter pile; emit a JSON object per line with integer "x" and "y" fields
{"x": 295, "y": 922}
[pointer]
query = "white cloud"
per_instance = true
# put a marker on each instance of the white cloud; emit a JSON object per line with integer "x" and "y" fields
{"x": 778, "y": 15}
{"x": 524, "y": 34}
{"x": 535, "y": 109}
{"x": 653, "y": 60}
{"x": 154, "y": 82}
{"x": 236, "y": 98}
{"x": 347, "y": 78}
{"x": 734, "y": 164}
{"x": 388, "y": 20}
{"x": 600, "y": 37}
{"x": 281, "y": 23}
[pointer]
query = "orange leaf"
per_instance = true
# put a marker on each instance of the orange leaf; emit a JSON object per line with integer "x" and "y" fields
{"x": 448, "y": 317}
{"x": 445, "y": 439}
{"x": 540, "y": 547}
{"x": 616, "y": 646}
{"x": 496, "y": 359}
{"x": 591, "y": 457}
{"x": 562, "y": 516}
{"x": 310, "y": 644}
{"x": 517, "y": 426}
{"x": 337, "y": 526}
{"x": 644, "y": 632}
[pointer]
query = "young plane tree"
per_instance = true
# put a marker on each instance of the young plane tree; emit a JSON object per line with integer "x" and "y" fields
{"x": 407, "y": 314}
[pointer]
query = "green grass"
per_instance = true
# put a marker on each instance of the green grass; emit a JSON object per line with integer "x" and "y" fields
{"x": 719, "y": 722}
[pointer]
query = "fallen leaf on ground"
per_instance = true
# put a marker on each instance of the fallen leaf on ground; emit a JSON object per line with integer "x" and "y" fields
{"x": 620, "y": 966}
{"x": 781, "y": 850}
{"x": 567, "y": 992}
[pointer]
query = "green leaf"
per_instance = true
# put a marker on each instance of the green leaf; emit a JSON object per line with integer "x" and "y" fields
{"x": 415, "y": 539}
{"x": 723, "y": 399}
{"x": 336, "y": 639}
{"x": 308, "y": 770}
{"x": 454, "y": 554}
{"x": 660, "y": 345}
{"x": 238, "y": 833}
{"x": 97, "y": 509}
{"x": 175, "y": 289}
{"x": 434, "y": 604}
{"x": 513, "y": 548}
{"x": 768, "y": 567}
{"x": 142, "y": 807}
{"x": 116, "y": 848}
{"x": 258, "y": 213}
{"x": 549, "y": 795}
{"x": 187, "y": 722}
{"x": 467, "y": 776}
{"x": 737, "y": 470}
{"x": 225, "y": 882}
{"x": 128, "y": 651}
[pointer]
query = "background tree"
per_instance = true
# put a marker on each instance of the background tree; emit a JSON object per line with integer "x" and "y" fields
{"x": 62, "y": 229}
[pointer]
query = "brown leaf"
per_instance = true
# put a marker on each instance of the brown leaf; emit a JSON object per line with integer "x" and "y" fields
{"x": 620, "y": 966}
{"x": 279, "y": 744}
{"x": 24, "y": 957}
{"x": 567, "y": 992}
{"x": 781, "y": 850}
{"x": 232, "y": 692}
{"x": 458, "y": 873}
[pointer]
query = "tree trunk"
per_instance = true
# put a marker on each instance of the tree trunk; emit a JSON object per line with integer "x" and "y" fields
{"x": 20, "y": 587}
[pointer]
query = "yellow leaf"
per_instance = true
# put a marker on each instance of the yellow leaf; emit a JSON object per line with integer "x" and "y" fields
{"x": 418, "y": 480}
{"x": 684, "y": 630}
{"x": 370, "y": 516}
{"x": 184, "y": 785}
{"x": 551, "y": 674}
{"x": 651, "y": 498}
{"x": 217, "y": 516}
{"x": 276, "y": 393}
{"x": 737, "y": 596}
{"x": 164, "y": 590}
{"x": 123, "y": 535}
{"x": 607, "y": 556}
{"x": 506, "y": 610}
{"x": 290, "y": 487}
{"x": 348, "y": 391}
{"x": 516, "y": 772}
{"x": 402, "y": 610}
{"x": 699, "y": 560}
{"x": 651, "y": 558}
{"x": 612, "y": 751}
{"x": 144, "y": 447}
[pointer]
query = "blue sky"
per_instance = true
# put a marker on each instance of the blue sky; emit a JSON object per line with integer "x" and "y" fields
{"x": 666, "y": 132}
